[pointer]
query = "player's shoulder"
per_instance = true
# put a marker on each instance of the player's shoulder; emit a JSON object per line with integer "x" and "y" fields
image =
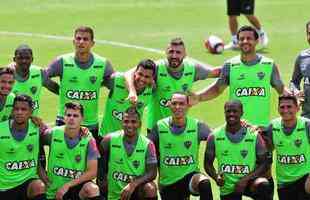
{"x": 305, "y": 53}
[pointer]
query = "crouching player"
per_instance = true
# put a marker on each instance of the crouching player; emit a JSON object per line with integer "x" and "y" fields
{"x": 19, "y": 142}
{"x": 241, "y": 156}
{"x": 177, "y": 139}
{"x": 130, "y": 161}
{"x": 72, "y": 162}
{"x": 289, "y": 136}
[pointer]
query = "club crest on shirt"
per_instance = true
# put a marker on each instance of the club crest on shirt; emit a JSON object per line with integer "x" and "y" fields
{"x": 187, "y": 144}
{"x": 93, "y": 79}
{"x": 185, "y": 87}
{"x": 261, "y": 75}
{"x": 136, "y": 163}
{"x": 298, "y": 142}
{"x": 78, "y": 158}
{"x": 33, "y": 89}
{"x": 29, "y": 147}
{"x": 244, "y": 153}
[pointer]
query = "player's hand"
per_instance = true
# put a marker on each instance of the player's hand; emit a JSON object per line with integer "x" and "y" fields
{"x": 241, "y": 185}
{"x": 38, "y": 122}
{"x": 132, "y": 97}
{"x": 192, "y": 99}
{"x": 84, "y": 131}
{"x": 12, "y": 65}
{"x": 220, "y": 181}
{"x": 128, "y": 190}
{"x": 62, "y": 191}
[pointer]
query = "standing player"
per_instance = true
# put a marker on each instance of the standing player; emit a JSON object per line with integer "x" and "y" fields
{"x": 241, "y": 156}
{"x": 72, "y": 162}
{"x": 177, "y": 139}
{"x": 245, "y": 7}
{"x": 117, "y": 103}
{"x": 28, "y": 77}
{"x": 175, "y": 73}
{"x": 19, "y": 141}
{"x": 250, "y": 77}
{"x": 130, "y": 161}
{"x": 81, "y": 75}
{"x": 6, "y": 97}
{"x": 289, "y": 136}
{"x": 302, "y": 71}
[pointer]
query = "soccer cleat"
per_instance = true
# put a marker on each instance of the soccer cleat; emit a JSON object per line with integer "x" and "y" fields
{"x": 263, "y": 39}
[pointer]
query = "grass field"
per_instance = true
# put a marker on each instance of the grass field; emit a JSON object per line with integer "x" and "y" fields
{"x": 148, "y": 24}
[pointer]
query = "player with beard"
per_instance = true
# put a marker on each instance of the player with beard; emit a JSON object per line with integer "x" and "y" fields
{"x": 6, "y": 96}
{"x": 173, "y": 74}
{"x": 242, "y": 158}
{"x": 250, "y": 77}
{"x": 177, "y": 140}
{"x": 130, "y": 161}
{"x": 302, "y": 71}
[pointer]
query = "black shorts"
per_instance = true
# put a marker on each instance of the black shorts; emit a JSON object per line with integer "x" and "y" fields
{"x": 179, "y": 190}
{"x": 73, "y": 193}
{"x": 294, "y": 190}
{"x": 237, "y": 7}
{"x": 247, "y": 192}
{"x": 17, "y": 193}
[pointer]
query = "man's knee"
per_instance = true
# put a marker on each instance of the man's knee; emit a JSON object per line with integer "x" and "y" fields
{"x": 307, "y": 185}
{"x": 35, "y": 188}
{"x": 263, "y": 189}
{"x": 150, "y": 190}
{"x": 90, "y": 190}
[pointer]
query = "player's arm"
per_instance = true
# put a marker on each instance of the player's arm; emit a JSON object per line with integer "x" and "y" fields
{"x": 204, "y": 131}
{"x": 154, "y": 137}
{"x": 50, "y": 84}
{"x": 209, "y": 161}
{"x": 54, "y": 69}
{"x": 277, "y": 83}
{"x": 108, "y": 75}
{"x": 104, "y": 150}
{"x": 129, "y": 77}
{"x": 204, "y": 71}
{"x": 266, "y": 135}
{"x": 296, "y": 78}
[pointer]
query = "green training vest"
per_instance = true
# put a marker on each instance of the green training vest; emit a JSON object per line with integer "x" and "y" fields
{"x": 235, "y": 160}
{"x": 82, "y": 85}
{"x": 293, "y": 151}
{"x": 178, "y": 153}
{"x": 6, "y": 110}
{"x": 251, "y": 85}
{"x": 123, "y": 168}
{"x": 166, "y": 86}
{"x": 117, "y": 104}
{"x": 31, "y": 87}
{"x": 65, "y": 164}
{"x": 18, "y": 159}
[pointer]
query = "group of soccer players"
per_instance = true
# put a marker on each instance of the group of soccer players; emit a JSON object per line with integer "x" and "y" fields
{"x": 120, "y": 158}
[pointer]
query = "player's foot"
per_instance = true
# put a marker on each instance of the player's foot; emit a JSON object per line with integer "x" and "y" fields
{"x": 263, "y": 39}
{"x": 233, "y": 45}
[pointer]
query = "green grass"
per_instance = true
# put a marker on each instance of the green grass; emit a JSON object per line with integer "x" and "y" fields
{"x": 149, "y": 24}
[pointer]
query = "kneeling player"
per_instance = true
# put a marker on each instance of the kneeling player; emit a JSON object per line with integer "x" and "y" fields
{"x": 130, "y": 161}
{"x": 242, "y": 158}
{"x": 73, "y": 155}
{"x": 19, "y": 142}
{"x": 289, "y": 136}
{"x": 177, "y": 139}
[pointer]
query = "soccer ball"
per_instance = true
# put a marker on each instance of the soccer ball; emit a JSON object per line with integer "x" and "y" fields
{"x": 214, "y": 44}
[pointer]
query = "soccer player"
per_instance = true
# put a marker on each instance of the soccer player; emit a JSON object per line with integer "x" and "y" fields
{"x": 19, "y": 141}
{"x": 289, "y": 137}
{"x": 245, "y": 7}
{"x": 250, "y": 77}
{"x": 81, "y": 75}
{"x": 6, "y": 96}
{"x": 28, "y": 77}
{"x": 242, "y": 158}
{"x": 177, "y": 139}
{"x": 130, "y": 161}
{"x": 117, "y": 103}
{"x": 175, "y": 73}
{"x": 302, "y": 71}
{"x": 72, "y": 161}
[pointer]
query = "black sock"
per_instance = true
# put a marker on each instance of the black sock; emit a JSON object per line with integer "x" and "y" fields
{"x": 151, "y": 198}
{"x": 94, "y": 198}
{"x": 39, "y": 197}
{"x": 205, "y": 190}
